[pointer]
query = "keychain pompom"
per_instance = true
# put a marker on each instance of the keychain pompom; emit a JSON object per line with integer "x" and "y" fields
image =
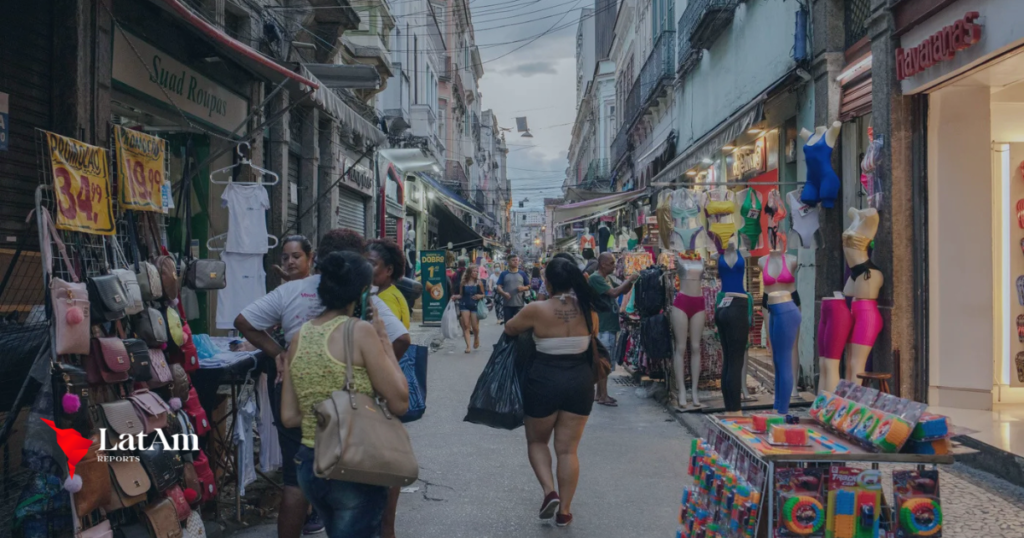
{"x": 191, "y": 496}
{"x": 175, "y": 404}
{"x": 71, "y": 403}
{"x": 74, "y": 316}
{"x": 163, "y": 345}
{"x": 73, "y": 484}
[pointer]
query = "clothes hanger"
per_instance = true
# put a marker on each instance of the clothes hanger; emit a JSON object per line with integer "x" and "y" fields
{"x": 224, "y": 236}
{"x": 244, "y": 161}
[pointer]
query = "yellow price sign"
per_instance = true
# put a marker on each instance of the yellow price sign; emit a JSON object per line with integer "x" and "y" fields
{"x": 81, "y": 183}
{"x": 140, "y": 170}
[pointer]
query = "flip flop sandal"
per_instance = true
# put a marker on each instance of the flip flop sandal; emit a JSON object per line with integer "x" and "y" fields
{"x": 1020, "y": 328}
{"x": 608, "y": 404}
{"x": 1020, "y": 289}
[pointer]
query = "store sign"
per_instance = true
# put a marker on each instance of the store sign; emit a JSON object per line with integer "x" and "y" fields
{"x": 81, "y": 183}
{"x": 432, "y": 277}
{"x": 940, "y": 47}
{"x": 750, "y": 160}
{"x": 141, "y": 161}
{"x": 171, "y": 82}
{"x": 5, "y": 127}
{"x": 357, "y": 177}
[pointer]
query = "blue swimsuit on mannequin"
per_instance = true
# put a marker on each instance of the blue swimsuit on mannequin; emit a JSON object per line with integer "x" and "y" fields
{"x": 732, "y": 276}
{"x": 822, "y": 182}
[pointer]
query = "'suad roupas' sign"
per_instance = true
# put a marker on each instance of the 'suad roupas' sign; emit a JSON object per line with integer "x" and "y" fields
{"x": 940, "y": 47}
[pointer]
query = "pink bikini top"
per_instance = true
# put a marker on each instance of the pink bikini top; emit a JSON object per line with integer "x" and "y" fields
{"x": 785, "y": 276}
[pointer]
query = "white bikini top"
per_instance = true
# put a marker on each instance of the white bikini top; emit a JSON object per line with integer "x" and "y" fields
{"x": 563, "y": 345}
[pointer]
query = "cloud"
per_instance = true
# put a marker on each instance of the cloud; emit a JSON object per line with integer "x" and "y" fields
{"x": 530, "y": 69}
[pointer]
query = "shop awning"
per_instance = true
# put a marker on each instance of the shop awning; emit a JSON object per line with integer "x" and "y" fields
{"x": 451, "y": 229}
{"x": 711, "y": 143}
{"x": 340, "y": 76}
{"x": 856, "y": 83}
{"x": 410, "y": 159}
{"x": 233, "y": 49}
{"x": 451, "y": 196}
{"x": 565, "y": 242}
{"x": 331, "y": 103}
{"x": 593, "y": 208}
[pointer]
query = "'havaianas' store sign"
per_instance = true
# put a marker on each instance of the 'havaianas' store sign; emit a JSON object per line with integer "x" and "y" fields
{"x": 196, "y": 95}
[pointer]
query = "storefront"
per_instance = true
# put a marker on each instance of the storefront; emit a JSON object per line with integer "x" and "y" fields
{"x": 355, "y": 194}
{"x": 965, "y": 62}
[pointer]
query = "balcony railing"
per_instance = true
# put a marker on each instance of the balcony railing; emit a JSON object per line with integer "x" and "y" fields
{"x": 658, "y": 71}
{"x": 705, "y": 20}
{"x": 596, "y": 178}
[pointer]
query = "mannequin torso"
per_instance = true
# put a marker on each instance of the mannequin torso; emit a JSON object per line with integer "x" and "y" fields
{"x": 684, "y": 209}
{"x": 690, "y": 272}
{"x": 776, "y": 265}
{"x": 856, "y": 239}
{"x": 822, "y": 181}
{"x": 731, "y": 269}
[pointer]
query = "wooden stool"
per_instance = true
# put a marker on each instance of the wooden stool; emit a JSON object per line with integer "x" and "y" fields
{"x": 883, "y": 380}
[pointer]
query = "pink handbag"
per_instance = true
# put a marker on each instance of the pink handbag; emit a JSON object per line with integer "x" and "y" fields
{"x": 151, "y": 410}
{"x": 70, "y": 300}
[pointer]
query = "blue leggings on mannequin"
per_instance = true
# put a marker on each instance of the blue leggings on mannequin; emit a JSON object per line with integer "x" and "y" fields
{"x": 782, "y": 328}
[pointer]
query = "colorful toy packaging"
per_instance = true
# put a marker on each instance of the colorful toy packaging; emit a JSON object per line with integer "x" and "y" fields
{"x": 878, "y": 421}
{"x": 724, "y": 500}
{"x": 783, "y": 435}
{"x": 801, "y": 505}
{"x": 854, "y": 503}
{"x": 931, "y": 427}
{"x": 918, "y": 510}
{"x": 761, "y": 422}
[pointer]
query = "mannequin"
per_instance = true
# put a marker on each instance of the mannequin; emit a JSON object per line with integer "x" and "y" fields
{"x": 623, "y": 239}
{"x": 833, "y": 333}
{"x": 805, "y": 219}
{"x": 687, "y": 315}
{"x": 732, "y": 272}
{"x": 664, "y": 214}
{"x": 720, "y": 206}
{"x": 685, "y": 210}
{"x": 782, "y": 332}
{"x": 603, "y": 233}
{"x": 822, "y": 182}
{"x": 778, "y": 273}
{"x": 734, "y": 332}
{"x": 863, "y": 286}
{"x": 410, "y": 251}
{"x": 588, "y": 244}
{"x": 633, "y": 240}
{"x": 751, "y": 204}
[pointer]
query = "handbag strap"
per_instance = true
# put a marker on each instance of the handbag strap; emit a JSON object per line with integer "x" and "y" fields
{"x": 185, "y": 198}
{"x": 50, "y": 229}
{"x": 133, "y": 239}
{"x": 348, "y": 335}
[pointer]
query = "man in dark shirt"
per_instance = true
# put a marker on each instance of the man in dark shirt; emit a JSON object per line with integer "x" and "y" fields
{"x": 511, "y": 285}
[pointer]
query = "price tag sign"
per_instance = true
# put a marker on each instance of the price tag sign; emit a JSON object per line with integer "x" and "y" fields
{"x": 140, "y": 170}
{"x": 81, "y": 183}
{"x": 726, "y": 301}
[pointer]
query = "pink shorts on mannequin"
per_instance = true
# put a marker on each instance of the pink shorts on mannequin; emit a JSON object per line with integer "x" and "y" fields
{"x": 867, "y": 322}
{"x": 689, "y": 304}
{"x": 834, "y": 328}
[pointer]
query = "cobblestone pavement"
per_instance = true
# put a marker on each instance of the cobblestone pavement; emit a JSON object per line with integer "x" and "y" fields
{"x": 976, "y": 504}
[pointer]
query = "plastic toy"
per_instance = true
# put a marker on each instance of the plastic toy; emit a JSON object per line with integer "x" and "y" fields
{"x": 853, "y": 419}
{"x": 789, "y": 435}
{"x": 845, "y": 525}
{"x": 921, "y": 516}
{"x": 891, "y": 434}
{"x": 830, "y": 410}
{"x": 930, "y": 427}
{"x": 821, "y": 401}
{"x": 866, "y": 428}
{"x": 803, "y": 515}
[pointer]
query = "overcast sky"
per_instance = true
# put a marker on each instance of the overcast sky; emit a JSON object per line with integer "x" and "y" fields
{"x": 537, "y": 81}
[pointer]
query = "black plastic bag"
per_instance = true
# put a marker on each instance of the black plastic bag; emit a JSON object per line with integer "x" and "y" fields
{"x": 497, "y": 400}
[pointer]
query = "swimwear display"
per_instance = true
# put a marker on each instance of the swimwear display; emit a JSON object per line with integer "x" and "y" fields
{"x": 867, "y": 322}
{"x": 784, "y": 276}
{"x": 776, "y": 213}
{"x": 834, "y": 328}
{"x": 751, "y": 211}
{"x": 690, "y": 305}
{"x": 681, "y": 214}
{"x": 805, "y": 219}
{"x": 782, "y": 328}
{"x": 732, "y": 275}
{"x": 721, "y": 230}
{"x": 822, "y": 182}
{"x": 794, "y": 294}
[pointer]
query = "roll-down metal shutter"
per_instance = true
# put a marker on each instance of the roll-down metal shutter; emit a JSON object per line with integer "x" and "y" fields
{"x": 293, "y": 179}
{"x": 351, "y": 211}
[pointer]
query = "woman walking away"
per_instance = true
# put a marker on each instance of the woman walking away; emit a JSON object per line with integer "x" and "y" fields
{"x": 470, "y": 291}
{"x": 537, "y": 285}
{"x": 316, "y": 366}
{"x": 558, "y": 392}
{"x": 296, "y": 259}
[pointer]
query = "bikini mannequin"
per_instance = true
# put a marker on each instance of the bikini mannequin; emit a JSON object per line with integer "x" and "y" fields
{"x": 833, "y": 333}
{"x": 685, "y": 210}
{"x": 822, "y": 182}
{"x": 750, "y": 211}
{"x": 782, "y": 332}
{"x": 732, "y": 273}
{"x": 588, "y": 242}
{"x": 778, "y": 273}
{"x": 720, "y": 208}
{"x": 687, "y": 315}
{"x": 863, "y": 287}
{"x": 805, "y": 219}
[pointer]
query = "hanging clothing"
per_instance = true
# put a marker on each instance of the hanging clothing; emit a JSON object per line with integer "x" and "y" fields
{"x": 776, "y": 212}
{"x": 822, "y": 182}
{"x": 732, "y": 275}
{"x": 805, "y": 219}
{"x": 246, "y": 280}
{"x": 751, "y": 211}
{"x": 270, "y": 443}
{"x": 682, "y": 213}
{"x": 603, "y": 234}
{"x": 243, "y": 439}
{"x": 723, "y": 231}
{"x": 247, "y": 205}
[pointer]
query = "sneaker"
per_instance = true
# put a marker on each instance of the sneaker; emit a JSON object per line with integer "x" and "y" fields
{"x": 563, "y": 520}
{"x": 313, "y": 524}
{"x": 550, "y": 506}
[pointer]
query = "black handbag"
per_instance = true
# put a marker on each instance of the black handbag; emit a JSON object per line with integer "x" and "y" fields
{"x": 70, "y": 379}
{"x": 151, "y": 327}
{"x": 655, "y": 337}
{"x": 163, "y": 465}
{"x": 138, "y": 354}
{"x": 107, "y": 297}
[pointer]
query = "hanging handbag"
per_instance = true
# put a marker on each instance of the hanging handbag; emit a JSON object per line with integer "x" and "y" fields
{"x": 177, "y": 498}
{"x": 196, "y": 413}
{"x": 146, "y": 273}
{"x": 135, "y": 530}
{"x": 186, "y": 355}
{"x": 163, "y": 465}
{"x": 150, "y": 327}
{"x": 107, "y": 362}
{"x": 129, "y": 280}
{"x": 95, "y": 481}
{"x": 180, "y": 384}
{"x": 161, "y": 370}
{"x": 481, "y": 309}
{"x": 194, "y": 527}
{"x": 138, "y": 356}
{"x": 99, "y": 530}
{"x": 191, "y": 480}
{"x": 151, "y": 409}
{"x": 175, "y": 333}
{"x": 205, "y": 475}
{"x": 107, "y": 297}
{"x": 121, "y": 417}
{"x": 198, "y": 274}
{"x": 69, "y": 300}
{"x": 357, "y": 438}
{"x": 70, "y": 379}
{"x": 130, "y": 484}
{"x": 162, "y": 520}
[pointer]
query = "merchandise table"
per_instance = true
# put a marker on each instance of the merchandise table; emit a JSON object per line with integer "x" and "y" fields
{"x": 732, "y": 433}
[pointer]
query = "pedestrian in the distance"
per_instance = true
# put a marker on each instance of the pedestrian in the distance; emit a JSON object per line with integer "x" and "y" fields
{"x": 607, "y": 314}
{"x": 511, "y": 285}
{"x": 471, "y": 290}
{"x": 558, "y": 392}
{"x": 315, "y": 366}
{"x": 540, "y": 293}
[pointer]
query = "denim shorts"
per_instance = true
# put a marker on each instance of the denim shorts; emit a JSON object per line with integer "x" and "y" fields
{"x": 608, "y": 339}
{"x": 347, "y": 509}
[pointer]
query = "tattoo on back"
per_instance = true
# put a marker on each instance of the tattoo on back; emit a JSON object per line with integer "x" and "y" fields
{"x": 566, "y": 315}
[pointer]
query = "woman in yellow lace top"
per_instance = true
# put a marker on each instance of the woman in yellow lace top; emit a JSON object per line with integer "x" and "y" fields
{"x": 316, "y": 367}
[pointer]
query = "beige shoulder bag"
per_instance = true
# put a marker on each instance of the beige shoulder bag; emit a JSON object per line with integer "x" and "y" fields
{"x": 357, "y": 438}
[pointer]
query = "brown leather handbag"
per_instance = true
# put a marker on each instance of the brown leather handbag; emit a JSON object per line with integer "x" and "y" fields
{"x": 162, "y": 520}
{"x": 358, "y": 439}
{"x": 151, "y": 409}
{"x": 131, "y": 483}
{"x": 180, "y": 384}
{"x": 121, "y": 417}
{"x": 107, "y": 362}
{"x": 161, "y": 371}
{"x": 96, "y": 486}
{"x": 191, "y": 480}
